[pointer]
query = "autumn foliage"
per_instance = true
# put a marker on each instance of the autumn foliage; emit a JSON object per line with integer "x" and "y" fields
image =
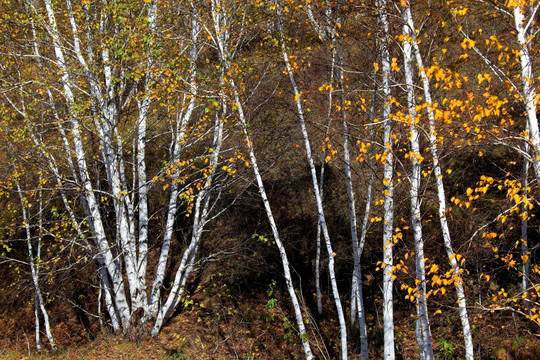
{"x": 318, "y": 179}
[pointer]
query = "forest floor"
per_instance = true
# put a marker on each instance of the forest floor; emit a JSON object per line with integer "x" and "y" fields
{"x": 215, "y": 324}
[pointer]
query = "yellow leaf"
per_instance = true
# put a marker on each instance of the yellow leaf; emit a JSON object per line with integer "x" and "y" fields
{"x": 512, "y": 3}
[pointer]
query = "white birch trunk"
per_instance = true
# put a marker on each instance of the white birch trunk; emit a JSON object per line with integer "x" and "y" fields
{"x": 201, "y": 208}
{"x": 183, "y": 119}
{"x": 105, "y": 101}
{"x": 200, "y": 215}
{"x": 38, "y": 258}
{"x": 134, "y": 252}
{"x": 88, "y": 191}
{"x": 36, "y": 317}
{"x": 51, "y": 163}
{"x": 388, "y": 172}
{"x": 111, "y": 309}
{"x": 144, "y": 105}
{"x": 529, "y": 90}
{"x": 321, "y": 189}
{"x": 221, "y": 38}
{"x": 422, "y": 322}
{"x": 318, "y": 294}
{"x": 275, "y": 232}
{"x": 524, "y": 231}
{"x": 361, "y": 315}
{"x": 34, "y": 272}
{"x": 357, "y": 301}
{"x": 316, "y": 189}
{"x": 357, "y": 288}
{"x": 529, "y": 98}
{"x": 461, "y": 299}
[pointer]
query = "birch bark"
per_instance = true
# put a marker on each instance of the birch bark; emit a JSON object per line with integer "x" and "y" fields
{"x": 316, "y": 189}
{"x": 113, "y": 267}
{"x": 357, "y": 287}
{"x": 178, "y": 140}
{"x": 388, "y": 173}
{"x": 202, "y": 203}
{"x": 527, "y": 79}
{"x": 458, "y": 283}
{"x": 275, "y": 232}
{"x": 34, "y": 270}
{"x": 524, "y": 234}
{"x": 422, "y": 322}
{"x": 222, "y": 40}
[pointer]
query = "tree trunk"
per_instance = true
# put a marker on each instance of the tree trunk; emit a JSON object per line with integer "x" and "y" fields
{"x": 461, "y": 300}
{"x": 422, "y": 322}
{"x": 524, "y": 237}
{"x": 316, "y": 189}
{"x": 388, "y": 172}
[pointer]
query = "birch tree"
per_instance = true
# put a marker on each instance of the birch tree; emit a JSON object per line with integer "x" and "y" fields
{"x": 423, "y": 331}
{"x": 316, "y": 186}
{"x": 441, "y": 196}
{"x": 357, "y": 287}
{"x": 525, "y": 277}
{"x": 524, "y": 13}
{"x": 220, "y": 33}
{"x": 388, "y": 219}
{"x": 34, "y": 259}
{"x": 330, "y": 31}
{"x": 90, "y": 46}
{"x": 182, "y": 117}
